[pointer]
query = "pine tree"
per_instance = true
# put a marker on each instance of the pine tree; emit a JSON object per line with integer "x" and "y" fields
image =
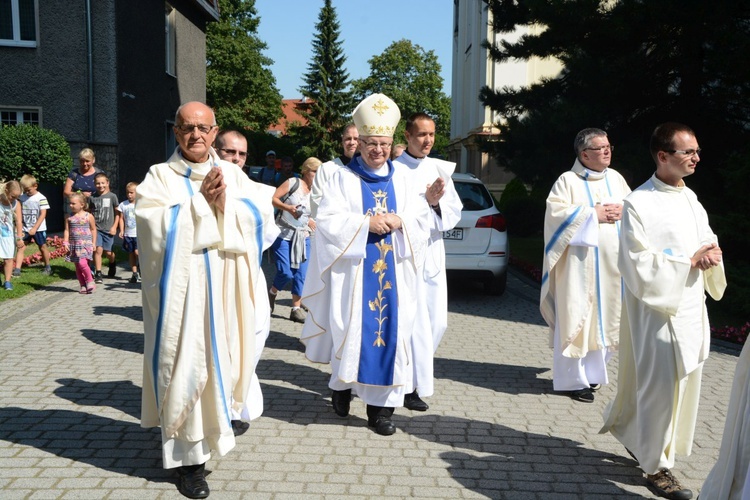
{"x": 239, "y": 83}
{"x": 326, "y": 87}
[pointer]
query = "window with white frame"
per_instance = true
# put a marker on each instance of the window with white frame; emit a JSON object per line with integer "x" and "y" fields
{"x": 170, "y": 39}
{"x": 18, "y": 116}
{"x": 18, "y": 23}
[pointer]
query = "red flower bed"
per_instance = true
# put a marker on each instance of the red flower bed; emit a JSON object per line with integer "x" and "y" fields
{"x": 56, "y": 250}
{"x": 529, "y": 270}
{"x": 731, "y": 333}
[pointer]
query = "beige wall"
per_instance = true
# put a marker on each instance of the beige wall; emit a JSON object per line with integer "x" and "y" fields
{"x": 473, "y": 124}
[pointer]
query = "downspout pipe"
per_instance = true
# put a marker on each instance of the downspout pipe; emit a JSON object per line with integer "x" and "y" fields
{"x": 90, "y": 65}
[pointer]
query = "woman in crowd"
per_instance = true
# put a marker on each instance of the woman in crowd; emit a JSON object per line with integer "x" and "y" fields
{"x": 81, "y": 179}
{"x": 292, "y": 247}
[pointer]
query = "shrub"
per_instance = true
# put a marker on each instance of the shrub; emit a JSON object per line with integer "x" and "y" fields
{"x": 29, "y": 149}
{"x": 515, "y": 189}
{"x": 525, "y": 216}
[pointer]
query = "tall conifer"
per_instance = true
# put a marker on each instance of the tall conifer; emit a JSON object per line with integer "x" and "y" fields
{"x": 326, "y": 87}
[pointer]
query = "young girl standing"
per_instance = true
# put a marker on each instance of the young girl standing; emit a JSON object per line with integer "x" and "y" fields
{"x": 11, "y": 227}
{"x": 78, "y": 239}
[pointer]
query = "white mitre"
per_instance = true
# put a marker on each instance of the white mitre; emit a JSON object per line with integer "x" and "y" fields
{"x": 376, "y": 115}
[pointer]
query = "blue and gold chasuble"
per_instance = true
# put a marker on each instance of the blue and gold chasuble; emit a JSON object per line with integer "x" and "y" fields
{"x": 379, "y": 292}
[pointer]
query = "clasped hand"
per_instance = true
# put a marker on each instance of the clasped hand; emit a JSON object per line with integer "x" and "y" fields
{"x": 706, "y": 257}
{"x": 608, "y": 213}
{"x": 213, "y": 188}
{"x": 384, "y": 223}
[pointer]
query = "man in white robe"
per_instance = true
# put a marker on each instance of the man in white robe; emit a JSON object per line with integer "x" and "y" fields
{"x": 669, "y": 258}
{"x": 202, "y": 227}
{"x": 362, "y": 284}
{"x": 349, "y": 144}
{"x": 432, "y": 177}
{"x": 581, "y": 287}
{"x": 730, "y": 477}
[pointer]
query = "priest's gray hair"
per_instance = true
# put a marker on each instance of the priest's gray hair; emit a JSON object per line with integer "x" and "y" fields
{"x": 584, "y": 137}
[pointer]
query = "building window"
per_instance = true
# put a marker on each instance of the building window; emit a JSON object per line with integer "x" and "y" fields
{"x": 18, "y": 23}
{"x": 170, "y": 39}
{"x": 18, "y": 116}
{"x": 170, "y": 140}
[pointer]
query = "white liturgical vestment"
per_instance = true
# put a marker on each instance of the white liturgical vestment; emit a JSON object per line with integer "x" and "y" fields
{"x": 664, "y": 335}
{"x": 581, "y": 286}
{"x": 730, "y": 477}
{"x": 205, "y": 306}
{"x": 432, "y": 314}
{"x": 334, "y": 290}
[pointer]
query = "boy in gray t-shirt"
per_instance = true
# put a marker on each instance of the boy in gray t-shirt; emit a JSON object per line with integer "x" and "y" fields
{"x": 104, "y": 204}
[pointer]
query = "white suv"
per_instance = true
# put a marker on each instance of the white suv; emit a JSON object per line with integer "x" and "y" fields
{"x": 478, "y": 246}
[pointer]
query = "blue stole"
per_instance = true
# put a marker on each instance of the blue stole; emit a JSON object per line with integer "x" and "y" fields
{"x": 379, "y": 293}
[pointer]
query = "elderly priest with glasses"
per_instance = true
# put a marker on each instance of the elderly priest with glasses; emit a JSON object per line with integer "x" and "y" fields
{"x": 202, "y": 228}
{"x": 361, "y": 282}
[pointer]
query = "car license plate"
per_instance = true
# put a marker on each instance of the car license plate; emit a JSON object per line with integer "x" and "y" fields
{"x": 454, "y": 234}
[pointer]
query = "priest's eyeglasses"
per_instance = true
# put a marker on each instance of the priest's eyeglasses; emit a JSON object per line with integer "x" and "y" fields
{"x": 608, "y": 147}
{"x": 188, "y": 129}
{"x": 375, "y": 145}
{"x": 686, "y": 152}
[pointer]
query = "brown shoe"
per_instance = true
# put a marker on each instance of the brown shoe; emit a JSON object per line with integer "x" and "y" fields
{"x": 664, "y": 484}
{"x": 298, "y": 315}
{"x": 271, "y": 300}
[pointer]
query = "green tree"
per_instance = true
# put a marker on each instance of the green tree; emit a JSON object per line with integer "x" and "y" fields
{"x": 410, "y": 75}
{"x": 326, "y": 87}
{"x": 239, "y": 83}
{"x": 628, "y": 65}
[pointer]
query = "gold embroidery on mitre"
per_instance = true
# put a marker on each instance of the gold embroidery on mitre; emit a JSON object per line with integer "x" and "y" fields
{"x": 380, "y": 107}
{"x": 383, "y": 130}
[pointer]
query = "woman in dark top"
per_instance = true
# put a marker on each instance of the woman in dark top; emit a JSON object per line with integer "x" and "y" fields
{"x": 82, "y": 178}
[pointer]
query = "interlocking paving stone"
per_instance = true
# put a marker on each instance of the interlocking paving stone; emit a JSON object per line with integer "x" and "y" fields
{"x": 70, "y": 406}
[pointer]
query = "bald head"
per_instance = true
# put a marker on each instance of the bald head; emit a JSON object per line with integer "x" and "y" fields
{"x": 195, "y": 130}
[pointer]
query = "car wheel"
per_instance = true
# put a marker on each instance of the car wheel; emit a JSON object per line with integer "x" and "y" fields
{"x": 496, "y": 284}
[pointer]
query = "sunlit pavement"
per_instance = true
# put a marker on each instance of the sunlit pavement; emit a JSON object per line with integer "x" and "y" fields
{"x": 70, "y": 372}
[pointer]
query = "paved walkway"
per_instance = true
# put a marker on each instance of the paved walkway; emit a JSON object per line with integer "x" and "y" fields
{"x": 70, "y": 375}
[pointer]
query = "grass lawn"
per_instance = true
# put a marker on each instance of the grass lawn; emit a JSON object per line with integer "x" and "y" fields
{"x": 32, "y": 278}
{"x": 528, "y": 249}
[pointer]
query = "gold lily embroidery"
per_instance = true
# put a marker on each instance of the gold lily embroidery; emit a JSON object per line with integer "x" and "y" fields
{"x": 379, "y": 305}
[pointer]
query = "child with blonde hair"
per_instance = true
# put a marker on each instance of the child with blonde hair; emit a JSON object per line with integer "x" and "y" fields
{"x": 34, "y": 206}
{"x": 128, "y": 232}
{"x": 11, "y": 228}
{"x": 78, "y": 240}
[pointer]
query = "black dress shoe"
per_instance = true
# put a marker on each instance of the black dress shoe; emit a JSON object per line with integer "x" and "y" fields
{"x": 192, "y": 483}
{"x": 341, "y": 401}
{"x": 583, "y": 395}
{"x": 414, "y": 402}
{"x": 239, "y": 427}
{"x": 383, "y": 425}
